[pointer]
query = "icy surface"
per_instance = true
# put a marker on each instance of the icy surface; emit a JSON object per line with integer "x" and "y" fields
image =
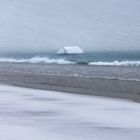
{"x": 71, "y": 50}
{"x": 29, "y": 114}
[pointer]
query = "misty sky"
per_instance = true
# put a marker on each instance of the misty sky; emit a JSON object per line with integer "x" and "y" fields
{"x": 46, "y": 25}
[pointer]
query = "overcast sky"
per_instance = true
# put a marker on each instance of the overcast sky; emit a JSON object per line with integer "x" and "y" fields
{"x": 45, "y": 25}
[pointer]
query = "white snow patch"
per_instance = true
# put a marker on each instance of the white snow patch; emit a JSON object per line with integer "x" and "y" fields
{"x": 29, "y": 114}
{"x": 71, "y": 50}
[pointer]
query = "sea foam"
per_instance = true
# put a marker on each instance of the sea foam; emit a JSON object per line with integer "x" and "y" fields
{"x": 46, "y": 60}
{"x": 117, "y": 63}
{"x": 36, "y": 60}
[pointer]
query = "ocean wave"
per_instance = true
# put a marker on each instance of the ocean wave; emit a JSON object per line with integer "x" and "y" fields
{"x": 35, "y": 60}
{"x": 117, "y": 63}
{"x": 46, "y": 60}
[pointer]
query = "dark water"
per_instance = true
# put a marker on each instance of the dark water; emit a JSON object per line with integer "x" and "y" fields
{"x": 116, "y": 65}
{"x": 95, "y": 58}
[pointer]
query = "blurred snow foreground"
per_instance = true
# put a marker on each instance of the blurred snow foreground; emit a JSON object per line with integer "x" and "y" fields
{"x": 29, "y": 114}
{"x": 71, "y": 50}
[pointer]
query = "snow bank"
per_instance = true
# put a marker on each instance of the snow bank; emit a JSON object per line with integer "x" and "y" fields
{"x": 29, "y": 114}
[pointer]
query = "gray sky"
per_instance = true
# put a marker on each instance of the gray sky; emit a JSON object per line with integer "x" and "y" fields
{"x": 94, "y": 25}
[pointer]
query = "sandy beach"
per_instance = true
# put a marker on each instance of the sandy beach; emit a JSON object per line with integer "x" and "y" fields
{"x": 38, "y": 103}
{"x": 32, "y": 78}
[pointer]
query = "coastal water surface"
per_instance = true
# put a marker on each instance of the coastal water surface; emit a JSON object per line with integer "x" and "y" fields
{"x": 116, "y": 65}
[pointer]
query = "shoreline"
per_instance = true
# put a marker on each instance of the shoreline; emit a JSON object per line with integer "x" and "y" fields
{"x": 47, "y": 77}
{"x": 77, "y": 85}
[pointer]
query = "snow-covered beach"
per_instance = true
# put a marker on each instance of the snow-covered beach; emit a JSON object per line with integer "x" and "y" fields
{"x": 33, "y": 109}
{"x": 69, "y": 69}
{"x": 27, "y": 114}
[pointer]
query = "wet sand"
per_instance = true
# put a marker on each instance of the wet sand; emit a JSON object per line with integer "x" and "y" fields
{"x": 115, "y": 88}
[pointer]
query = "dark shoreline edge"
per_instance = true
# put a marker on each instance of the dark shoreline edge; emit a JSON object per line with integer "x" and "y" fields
{"x": 113, "y": 88}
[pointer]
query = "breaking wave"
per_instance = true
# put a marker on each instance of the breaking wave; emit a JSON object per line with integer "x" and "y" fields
{"x": 35, "y": 60}
{"x": 117, "y": 63}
